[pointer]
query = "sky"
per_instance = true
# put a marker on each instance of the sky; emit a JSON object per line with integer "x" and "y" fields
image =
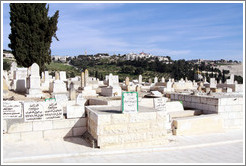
{"x": 179, "y": 30}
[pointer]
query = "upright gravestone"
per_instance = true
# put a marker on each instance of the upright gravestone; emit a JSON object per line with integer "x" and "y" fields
{"x": 13, "y": 67}
{"x": 53, "y": 111}
{"x": 12, "y": 110}
{"x": 160, "y": 103}
{"x": 80, "y": 100}
{"x": 63, "y": 76}
{"x": 150, "y": 81}
{"x": 72, "y": 92}
{"x": 140, "y": 79}
{"x": 82, "y": 80}
{"x": 127, "y": 81}
{"x": 19, "y": 82}
{"x": 155, "y": 80}
{"x": 33, "y": 82}
{"x": 33, "y": 111}
{"x": 86, "y": 77}
{"x": 57, "y": 77}
{"x": 129, "y": 102}
{"x": 162, "y": 79}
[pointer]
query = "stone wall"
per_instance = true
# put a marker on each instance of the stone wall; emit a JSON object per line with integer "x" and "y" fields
{"x": 126, "y": 130}
{"x": 230, "y": 108}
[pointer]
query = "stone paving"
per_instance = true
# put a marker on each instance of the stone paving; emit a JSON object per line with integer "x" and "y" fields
{"x": 227, "y": 147}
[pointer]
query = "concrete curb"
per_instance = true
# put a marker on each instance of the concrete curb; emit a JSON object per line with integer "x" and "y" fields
{"x": 111, "y": 152}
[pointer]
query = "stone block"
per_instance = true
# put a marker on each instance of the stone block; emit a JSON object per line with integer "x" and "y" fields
{"x": 181, "y": 97}
{"x": 196, "y": 99}
{"x": 203, "y": 100}
{"x": 120, "y": 118}
{"x": 156, "y": 134}
{"x": 79, "y": 131}
{"x": 133, "y": 137}
{"x": 57, "y": 133}
{"x": 142, "y": 117}
{"x": 42, "y": 125}
{"x": 75, "y": 111}
{"x": 213, "y": 108}
{"x": 103, "y": 119}
{"x": 13, "y": 137}
{"x": 138, "y": 127}
{"x": 213, "y": 101}
{"x": 107, "y": 140}
{"x": 81, "y": 122}
{"x": 205, "y": 107}
{"x": 32, "y": 136}
{"x": 20, "y": 127}
{"x": 237, "y": 108}
{"x": 203, "y": 124}
{"x": 64, "y": 123}
{"x": 114, "y": 129}
{"x": 188, "y": 98}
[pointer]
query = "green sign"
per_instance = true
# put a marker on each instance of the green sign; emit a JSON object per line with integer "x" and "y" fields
{"x": 50, "y": 99}
{"x": 129, "y": 102}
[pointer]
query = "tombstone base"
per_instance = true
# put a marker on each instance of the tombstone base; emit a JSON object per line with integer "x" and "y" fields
{"x": 36, "y": 93}
{"x": 113, "y": 129}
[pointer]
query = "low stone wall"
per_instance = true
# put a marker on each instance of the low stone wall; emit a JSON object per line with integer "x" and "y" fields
{"x": 114, "y": 129}
{"x": 196, "y": 125}
{"x": 229, "y": 107}
{"x": 17, "y": 130}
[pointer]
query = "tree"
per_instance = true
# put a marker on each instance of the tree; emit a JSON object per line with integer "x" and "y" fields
{"x": 31, "y": 33}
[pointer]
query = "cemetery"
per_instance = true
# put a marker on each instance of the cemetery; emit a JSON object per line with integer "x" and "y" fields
{"x": 112, "y": 114}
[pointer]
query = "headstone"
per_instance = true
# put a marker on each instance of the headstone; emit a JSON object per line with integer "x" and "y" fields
{"x": 75, "y": 111}
{"x": 213, "y": 83}
{"x": 46, "y": 83}
{"x": 127, "y": 81}
{"x": 150, "y": 81}
{"x": 13, "y": 67}
{"x": 63, "y": 76}
{"x": 155, "y": 80}
{"x": 58, "y": 86}
{"x": 162, "y": 79}
{"x": 33, "y": 82}
{"x": 82, "y": 79}
{"x": 72, "y": 92}
{"x": 33, "y": 111}
{"x": 186, "y": 79}
{"x": 156, "y": 93}
{"x": 129, "y": 102}
{"x": 61, "y": 98}
{"x": 160, "y": 103}
{"x": 12, "y": 110}
{"x": 220, "y": 82}
{"x": 138, "y": 88}
{"x": 53, "y": 111}
{"x": 86, "y": 77}
{"x": 19, "y": 83}
{"x": 140, "y": 79}
{"x": 57, "y": 76}
{"x": 80, "y": 100}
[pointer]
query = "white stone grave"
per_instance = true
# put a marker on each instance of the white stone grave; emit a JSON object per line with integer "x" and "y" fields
{"x": 62, "y": 75}
{"x": 33, "y": 82}
{"x": 53, "y": 111}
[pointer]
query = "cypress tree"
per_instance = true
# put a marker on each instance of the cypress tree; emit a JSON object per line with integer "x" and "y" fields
{"x": 31, "y": 33}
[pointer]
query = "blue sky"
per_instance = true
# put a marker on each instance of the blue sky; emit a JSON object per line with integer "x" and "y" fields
{"x": 179, "y": 30}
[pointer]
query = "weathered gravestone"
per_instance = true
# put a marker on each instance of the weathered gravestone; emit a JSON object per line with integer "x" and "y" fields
{"x": 53, "y": 111}
{"x": 33, "y": 111}
{"x": 63, "y": 76}
{"x": 80, "y": 100}
{"x": 127, "y": 81}
{"x": 12, "y": 110}
{"x": 140, "y": 79}
{"x": 160, "y": 103}
{"x": 129, "y": 102}
{"x": 33, "y": 82}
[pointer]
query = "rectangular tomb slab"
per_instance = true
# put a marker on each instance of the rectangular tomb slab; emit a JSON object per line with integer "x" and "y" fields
{"x": 113, "y": 129}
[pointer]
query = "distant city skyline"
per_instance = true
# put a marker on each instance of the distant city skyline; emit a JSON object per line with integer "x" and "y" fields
{"x": 180, "y": 30}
